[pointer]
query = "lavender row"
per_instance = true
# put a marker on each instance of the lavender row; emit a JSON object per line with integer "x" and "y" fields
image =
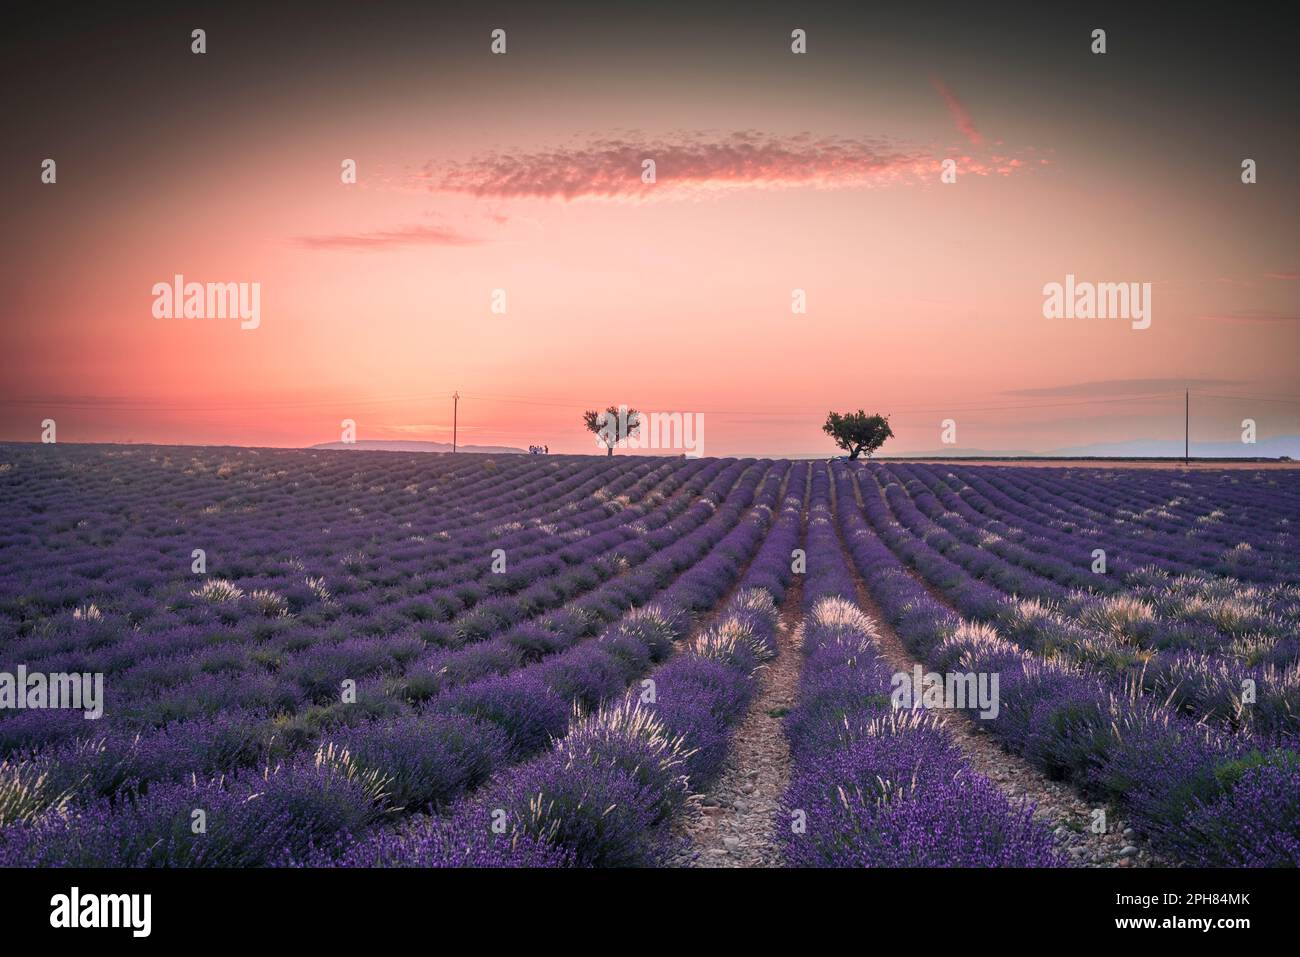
{"x": 320, "y": 599}
{"x": 1197, "y": 541}
{"x": 1272, "y": 605}
{"x": 1166, "y": 502}
{"x": 122, "y": 758}
{"x": 1167, "y": 623}
{"x": 1154, "y": 616}
{"x": 1201, "y": 797}
{"x": 292, "y": 666}
{"x": 127, "y": 505}
{"x": 1172, "y": 588}
{"x": 604, "y": 794}
{"x": 137, "y": 605}
{"x": 1181, "y": 576}
{"x": 1051, "y": 508}
{"x": 1171, "y": 502}
{"x": 1103, "y": 634}
{"x": 1129, "y": 556}
{"x": 420, "y": 760}
{"x": 873, "y": 785}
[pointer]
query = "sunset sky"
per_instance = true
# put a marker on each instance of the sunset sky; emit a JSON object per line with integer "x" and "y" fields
{"x": 523, "y": 172}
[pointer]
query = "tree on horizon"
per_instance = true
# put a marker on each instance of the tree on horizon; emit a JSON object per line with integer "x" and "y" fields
{"x": 857, "y": 432}
{"x": 607, "y": 425}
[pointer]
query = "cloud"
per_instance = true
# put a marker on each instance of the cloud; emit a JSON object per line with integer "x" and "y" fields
{"x": 1282, "y": 275}
{"x": 960, "y": 116}
{"x": 389, "y": 238}
{"x": 1253, "y": 315}
{"x": 694, "y": 163}
{"x": 1122, "y": 387}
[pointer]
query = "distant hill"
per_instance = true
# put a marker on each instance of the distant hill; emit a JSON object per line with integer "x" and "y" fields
{"x": 407, "y": 446}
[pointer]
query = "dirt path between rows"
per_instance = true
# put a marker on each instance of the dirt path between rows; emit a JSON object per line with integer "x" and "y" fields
{"x": 1057, "y": 804}
{"x": 732, "y": 826}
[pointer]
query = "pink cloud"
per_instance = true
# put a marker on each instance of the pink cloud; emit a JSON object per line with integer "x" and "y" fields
{"x": 612, "y": 168}
{"x": 695, "y": 164}
{"x": 389, "y": 238}
{"x": 960, "y": 116}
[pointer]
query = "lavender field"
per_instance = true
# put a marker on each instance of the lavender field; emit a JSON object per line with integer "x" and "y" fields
{"x": 393, "y": 659}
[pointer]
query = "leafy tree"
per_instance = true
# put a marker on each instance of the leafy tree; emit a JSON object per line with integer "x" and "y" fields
{"x": 608, "y": 426}
{"x": 857, "y": 432}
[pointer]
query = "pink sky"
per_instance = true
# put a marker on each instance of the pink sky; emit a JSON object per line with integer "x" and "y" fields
{"x": 924, "y": 299}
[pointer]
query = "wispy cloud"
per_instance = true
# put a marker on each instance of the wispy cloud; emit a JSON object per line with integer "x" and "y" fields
{"x": 1122, "y": 387}
{"x": 389, "y": 238}
{"x": 960, "y": 115}
{"x": 686, "y": 163}
{"x": 1254, "y": 315}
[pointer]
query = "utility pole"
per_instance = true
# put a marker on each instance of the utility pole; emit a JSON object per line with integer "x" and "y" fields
{"x": 455, "y": 418}
{"x": 1187, "y": 425}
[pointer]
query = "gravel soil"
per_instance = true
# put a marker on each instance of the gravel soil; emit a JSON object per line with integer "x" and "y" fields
{"x": 1056, "y": 803}
{"x": 732, "y": 824}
